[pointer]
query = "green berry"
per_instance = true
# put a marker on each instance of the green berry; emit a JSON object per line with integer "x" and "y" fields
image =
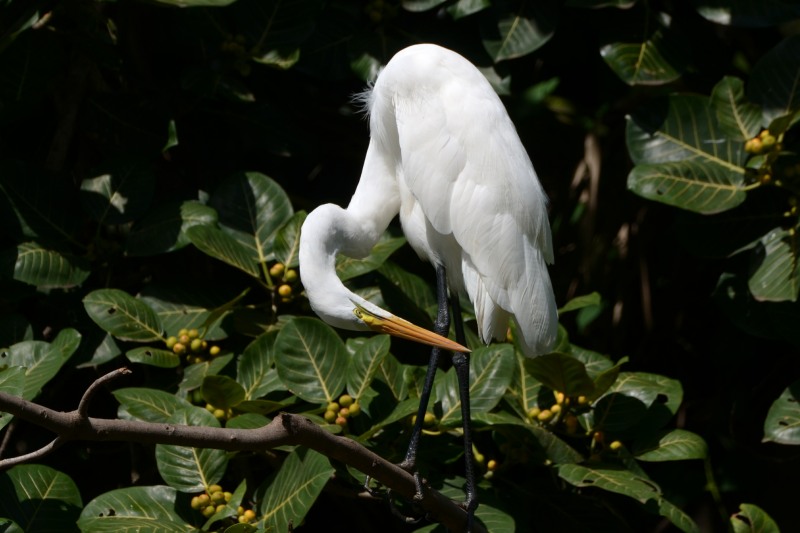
{"x": 291, "y": 275}
{"x": 219, "y": 414}
{"x": 209, "y": 511}
{"x": 193, "y": 333}
{"x": 333, "y": 406}
{"x": 330, "y": 416}
{"x": 196, "y": 503}
{"x": 217, "y": 498}
{"x": 345, "y": 400}
{"x": 228, "y": 496}
{"x": 355, "y": 409}
{"x": 344, "y": 412}
{"x": 196, "y": 345}
{"x": 171, "y": 342}
{"x": 214, "y": 488}
{"x": 179, "y": 348}
{"x": 276, "y": 270}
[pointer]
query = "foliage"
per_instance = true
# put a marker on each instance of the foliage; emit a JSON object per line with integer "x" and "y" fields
{"x": 156, "y": 165}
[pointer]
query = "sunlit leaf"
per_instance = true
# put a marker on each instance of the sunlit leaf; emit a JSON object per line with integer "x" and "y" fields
{"x": 293, "y": 491}
{"x": 652, "y": 62}
{"x": 775, "y": 81}
{"x": 158, "y": 357}
{"x": 311, "y": 360}
{"x": 563, "y": 373}
{"x": 391, "y": 373}
{"x": 579, "y": 302}
{"x": 782, "y": 424}
{"x": 31, "y": 263}
{"x": 134, "y": 510}
{"x": 650, "y": 388}
{"x": 287, "y": 240}
{"x": 122, "y": 315}
{"x": 464, "y": 8}
{"x": 120, "y": 192}
{"x": 753, "y": 519}
{"x": 254, "y": 369}
{"x": 218, "y": 244}
{"x": 737, "y": 118}
{"x": 347, "y": 267}
{"x": 678, "y": 518}
{"x": 611, "y": 479}
{"x": 514, "y": 32}
{"x": 524, "y": 387}
{"x": 776, "y": 267}
{"x": 671, "y": 445}
{"x": 179, "y": 306}
{"x": 39, "y": 498}
{"x": 41, "y": 361}
{"x": 191, "y": 469}
{"x": 746, "y": 13}
{"x": 164, "y": 228}
{"x": 365, "y": 362}
{"x": 12, "y": 381}
{"x": 193, "y": 375}
{"x": 222, "y": 392}
{"x": 698, "y": 187}
{"x": 419, "y": 6}
{"x": 150, "y": 405}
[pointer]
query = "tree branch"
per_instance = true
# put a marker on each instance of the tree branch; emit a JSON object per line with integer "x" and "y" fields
{"x": 285, "y": 429}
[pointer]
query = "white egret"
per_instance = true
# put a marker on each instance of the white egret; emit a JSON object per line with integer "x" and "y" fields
{"x": 444, "y": 154}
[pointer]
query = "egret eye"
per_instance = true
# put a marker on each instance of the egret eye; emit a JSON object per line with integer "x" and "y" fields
{"x": 358, "y": 313}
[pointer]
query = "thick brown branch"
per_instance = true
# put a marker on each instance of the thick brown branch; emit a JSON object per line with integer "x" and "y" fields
{"x": 285, "y": 429}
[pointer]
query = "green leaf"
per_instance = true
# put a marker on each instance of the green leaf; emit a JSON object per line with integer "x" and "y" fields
{"x": 748, "y": 14}
{"x": 685, "y": 129}
{"x": 391, "y": 373}
{"x": 39, "y": 498}
{"x": 35, "y": 265}
{"x": 555, "y": 449}
{"x": 147, "y": 404}
{"x": 41, "y": 361}
{"x": 193, "y": 375}
{"x": 776, "y": 269}
{"x": 153, "y": 357}
{"x": 220, "y": 245}
{"x": 183, "y": 307}
{"x": 119, "y": 193}
{"x": 652, "y": 62}
{"x": 408, "y": 295}
{"x": 163, "y": 229}
{"x": 650, "y": 389}
{"x": 251, "y": 208}
{"x": 615, "y": 412}
{"x": 515, "y": 32}
{"x": 418, "y": 6}
{"x": 615, "y": 480}
{"x": 247, "y": 421}
{"x": 782, "y": 424}
{"x": 122, "y": 315}
{"x": 348, "y": 268}
{"x": 191, "y": 469}
{"x": 365, "y": 362}
{"x": 579, "y": 302}
{"x": 287, "y": 240}
{"x": 222, "y": 392}
{"x": 752, "y": 519}
{"x": 697, "y": 187}
{"x": 775, "y": 81}
{"x": 490, "y": 373}
{"x": 293, "y": 491}
{"x": 524, "y": 388}
{"x": 671, "y": 445}
{"x": 12, "y": 381}
{"x": 464, "y": 8}
{"x": 311, "y": 360}
{"x": 563, "y": 373}
{"x": 738, "y": 119}
{"x": 678, "y": 518}
{"x": 254, "y": 369}
{"x": 135, "y": 510}
{"x": 605, "y": 379}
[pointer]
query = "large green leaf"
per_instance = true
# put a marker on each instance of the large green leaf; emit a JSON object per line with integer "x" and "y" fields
{"x": 134, "y": 510}
{"x": 390, "y": 371}
{"x": 512, "y": 31}
{"x": 122, "y": 315}
{"x": 407, "y": 294}
{"x": 747, "y": 13}
{"x": 581, "y": 302}
{"x": 12, "y": 381}
{"x": 775, "y": 81}
{"x": 222, "y": 392}
{"x": 311, "y": 360}
{"x": 191, "y": 469}
{"x": 561, "y": 372}
{"x": 293, "y": 491}
{"x": 418, "y": 6}
{"x": 650, "y": 389}
{"x": 251, "y": 208}
{"x": 490, "y": 371}
{"x": 254, "y": 369}
{"x": 365, "y": 362}
{"x": 39, "y": 498}
{"x": 150, "y": 405}
{"x": 689, "y": 185}
{"x": 611, "y": 479}
{"x": 220, "y": 245}
{"x": 678, "y": 518}
{"x": 164, "y": 228}
{"x": 157, "y": 357}
{"x": 671, "y": 445}
{"x": 347, "y": 267}
{"x": 782, "y": 424}
{"x": 120, "y": 192}
{"x": 464, "y": 8}
{"x": 31, "y": 263}
{"x": 776, "y": 268}
{"x": 753, "y": 519}
{"x": 737, "y": 118}
{"x": 41, "y": 361}
{"x": 181, "y": 306}
{"x": 287, "y": 240}
{"x": 683, "y": 128}
{"x": 652, "y": 62}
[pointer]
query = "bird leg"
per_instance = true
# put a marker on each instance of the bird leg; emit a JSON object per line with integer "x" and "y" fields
{"x": 461, "y": 365}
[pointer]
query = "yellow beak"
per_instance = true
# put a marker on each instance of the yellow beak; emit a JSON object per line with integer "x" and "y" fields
{"x": 396, "y": 326}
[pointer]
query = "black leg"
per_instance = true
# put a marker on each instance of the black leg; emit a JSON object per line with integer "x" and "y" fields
{"x": 461, "y": 364}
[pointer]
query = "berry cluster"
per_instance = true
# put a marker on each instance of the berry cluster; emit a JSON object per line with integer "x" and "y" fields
{"x": 284, "y": 278}
{"x": 762, "y": 143}
{"x": 190, "y": 343}
{"x": 339, "y": 412}
{"x": 214, "y": 501}
{"x": 220, "y": 414}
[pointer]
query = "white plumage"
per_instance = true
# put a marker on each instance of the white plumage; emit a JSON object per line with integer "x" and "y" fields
{"x": 443, "y": 154}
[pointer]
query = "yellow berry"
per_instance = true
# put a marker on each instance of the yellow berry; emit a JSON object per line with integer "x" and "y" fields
{"x": 228, "y": 496}
{"x": 193, "y": 333}
{"x": 555, "y": 408}
{"x": 240, "y": 510}
{"x": 355, "y": 409}
{"x": 196, "y": 345}
{"x": 333, "y": 406}
{"x": 559, "y": 397}
{"x": 341, "y": 421}
{"x": 210, "y": 408}
{"x": 545, "y": 415}
{"x": 196, "y": 502}
{"x": 330, "y": 416}
{"x": 765, "y": 179}
{"x": 285, "y": 290}
{"x": 763, "y": 134}
{"x": 220, "y": 508}
{"x": 533, "y": 412}
{"x": 249, "y": 514}
{"x": 768, "y": 141}
{"x": 217, "y": 498}
{"x": 182, "y": 332}
{"x": 219, "y": 414}
{"x": 184, "y": 339}
{"x": 171, "y": 342}
{"x": 276, "y": 270}
{"x": 179, "y": 348}
{"x": 582, "y": 400}
{"x": 291, "y": 275}
{"x": 344, "y": 412}
{"x": 214, "y": 488}
{"x": 214, "y": 351}
{"x": 429, "y": 419}
{"x": 209, "y": 511}
{"x": 345, "y": 400}
{"x": 598, "y": 436}
{"x": 755, "y": 145}
{"x": 491, "y": 465}
{"x": 615, "y": 445}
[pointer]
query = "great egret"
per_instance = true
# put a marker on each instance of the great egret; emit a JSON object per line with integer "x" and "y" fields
{"x": 444, "y": 154}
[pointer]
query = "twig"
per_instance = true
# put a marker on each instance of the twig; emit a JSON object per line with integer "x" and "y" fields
{"x": 83, "y": 406}
{"x": 285, "y": 429}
